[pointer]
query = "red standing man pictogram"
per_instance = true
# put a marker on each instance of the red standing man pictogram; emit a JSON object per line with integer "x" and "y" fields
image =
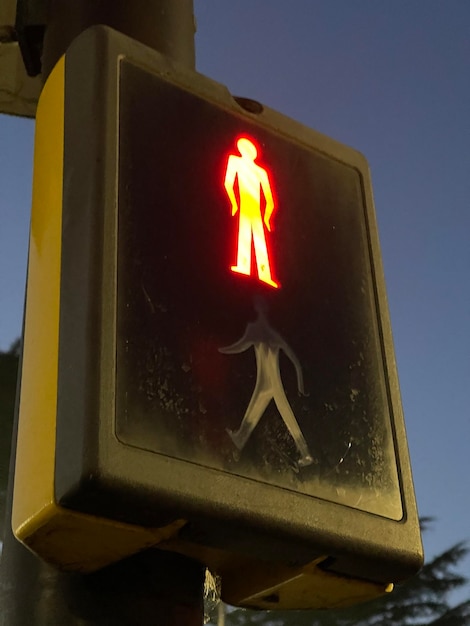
{"x": 254, "y": 223}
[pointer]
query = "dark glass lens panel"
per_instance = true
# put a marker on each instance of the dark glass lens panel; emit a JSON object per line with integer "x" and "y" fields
{"x": 281, "y": 385}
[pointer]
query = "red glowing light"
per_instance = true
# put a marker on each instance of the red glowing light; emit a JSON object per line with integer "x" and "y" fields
{"x": 254, "y": 223}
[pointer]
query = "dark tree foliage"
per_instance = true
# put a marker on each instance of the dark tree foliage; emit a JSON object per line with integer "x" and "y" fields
{"x": 422, "y": 601}
{"x": 8, "y": 373}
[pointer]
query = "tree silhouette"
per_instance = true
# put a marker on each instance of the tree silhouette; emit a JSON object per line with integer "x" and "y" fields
{"x": 8, "y": 373}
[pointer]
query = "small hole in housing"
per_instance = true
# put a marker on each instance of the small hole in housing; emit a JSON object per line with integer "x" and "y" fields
{"x": 273, "y": 598}
{"x": 249, "y": 105}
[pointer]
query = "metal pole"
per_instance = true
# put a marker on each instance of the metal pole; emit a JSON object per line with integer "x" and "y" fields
{"x": 221, "y": 612}
{"x": 153, "y": 587}
{"x": 165, "y": 25}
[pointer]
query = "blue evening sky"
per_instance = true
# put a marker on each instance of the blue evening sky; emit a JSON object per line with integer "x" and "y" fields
{"x": 390, "y": 78}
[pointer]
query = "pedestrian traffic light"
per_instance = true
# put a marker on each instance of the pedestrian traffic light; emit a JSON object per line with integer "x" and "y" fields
{"x": 208, "y": 364}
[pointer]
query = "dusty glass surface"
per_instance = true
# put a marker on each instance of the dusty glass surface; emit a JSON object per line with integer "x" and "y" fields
{"x": 280, "y": 384}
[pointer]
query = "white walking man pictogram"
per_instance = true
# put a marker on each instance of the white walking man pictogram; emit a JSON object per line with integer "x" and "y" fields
{"x": 267, "y": 344}
{"x": 252, "y": 180}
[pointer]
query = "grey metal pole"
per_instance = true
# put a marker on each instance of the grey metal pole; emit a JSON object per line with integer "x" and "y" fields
{"x": 153, "y": 587}
{"x": 165, "y": 25}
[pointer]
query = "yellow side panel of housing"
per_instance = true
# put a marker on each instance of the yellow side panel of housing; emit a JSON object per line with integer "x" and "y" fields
{"x": 69, "y": 539}
{"x": 34, "y": 473}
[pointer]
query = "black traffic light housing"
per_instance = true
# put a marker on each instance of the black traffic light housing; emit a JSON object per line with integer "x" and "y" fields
{"x": 252, "y": 423}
